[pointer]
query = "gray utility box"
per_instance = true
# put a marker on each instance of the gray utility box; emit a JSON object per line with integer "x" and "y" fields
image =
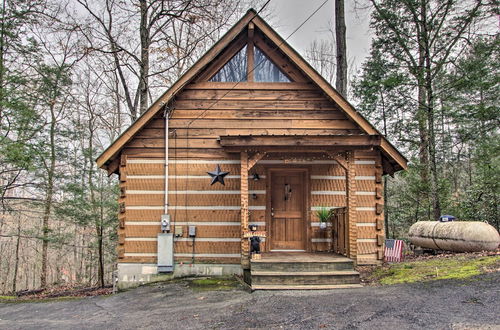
{"x": 192, "y": 231}
{"x": 165, "y": 253}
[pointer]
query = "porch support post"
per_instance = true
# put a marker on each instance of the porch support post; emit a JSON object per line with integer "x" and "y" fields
{"x": 351, "y": 205}
{"x": 245, "y": 253}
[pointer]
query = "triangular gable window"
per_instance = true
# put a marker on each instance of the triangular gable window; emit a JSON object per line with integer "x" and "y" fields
{"x": 264, "y": 70}
{"x": 235, "y": 70}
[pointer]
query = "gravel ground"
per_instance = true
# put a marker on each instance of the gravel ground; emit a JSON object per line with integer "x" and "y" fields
{"x": 472, "y": 304}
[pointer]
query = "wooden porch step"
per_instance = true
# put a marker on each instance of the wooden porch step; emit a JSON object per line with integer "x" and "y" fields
{"x": 301, "y": 271}
{"x": 311, "y": 273}
{"x": 293, "y": 266}
{"x": 305, "y": 287}
{"x": 305, "y": 277}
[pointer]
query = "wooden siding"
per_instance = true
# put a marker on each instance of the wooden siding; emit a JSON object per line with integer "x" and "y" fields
{"x": 197, "y": 121}
{"x": 327, "y": 189}
{"x": 369, "y": 235}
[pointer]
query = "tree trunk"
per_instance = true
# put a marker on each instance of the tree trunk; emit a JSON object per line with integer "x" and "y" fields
{"x": 16, "y": 260}
{"x": 101, "y": 259}
{"x": 2, "y": 219}
{"x": 49, "y": 196}
{"x": 95, "y": 214}
{"x": 118, "y": 128}
{"x": 386, "y": 182}
{"x": 434, "y": 175}
{"x": 386, "y": 211}
{"x": 423, "y": 133}
{"x": 340, "y": 31}
{"x": 2, "y": 65}
{"x": 75, "y": 253}
{"x": 144, "y": 65}
{"x": 421, "y": 115}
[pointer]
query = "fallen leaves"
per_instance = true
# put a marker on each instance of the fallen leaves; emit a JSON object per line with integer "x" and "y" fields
{"x": 63, "y": 291}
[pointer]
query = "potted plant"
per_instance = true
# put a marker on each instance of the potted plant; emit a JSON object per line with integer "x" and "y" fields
{"x": 324, "y": 214}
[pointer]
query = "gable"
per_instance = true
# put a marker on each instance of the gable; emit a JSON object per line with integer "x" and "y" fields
{"x": 251, "y": 29}
{"x": 251, "y": 57}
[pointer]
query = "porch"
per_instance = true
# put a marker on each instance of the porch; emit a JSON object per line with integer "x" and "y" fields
{"x": 289, "y": 165}
{"x": 305, "y": 174}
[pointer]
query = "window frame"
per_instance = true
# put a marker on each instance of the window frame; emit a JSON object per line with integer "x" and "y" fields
{"x": 250, "y": 57}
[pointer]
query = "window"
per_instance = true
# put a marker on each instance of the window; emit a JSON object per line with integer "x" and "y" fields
{"x": 264, "y": 70}
{"x": 235, "y": 70}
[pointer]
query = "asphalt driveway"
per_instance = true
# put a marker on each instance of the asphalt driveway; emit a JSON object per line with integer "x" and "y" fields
{"x": 472, "y": 304}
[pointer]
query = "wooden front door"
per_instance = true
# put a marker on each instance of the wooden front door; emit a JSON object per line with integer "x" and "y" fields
{"x": 288, "y": 214}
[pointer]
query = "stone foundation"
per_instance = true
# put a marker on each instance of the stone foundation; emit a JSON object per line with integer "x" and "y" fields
{"x": 134, "y": 274}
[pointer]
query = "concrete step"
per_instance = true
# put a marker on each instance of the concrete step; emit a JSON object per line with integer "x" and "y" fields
{"x": 344, "y": 264}
{"x": 304, "y": 278}
{"x": 304, "y": 287}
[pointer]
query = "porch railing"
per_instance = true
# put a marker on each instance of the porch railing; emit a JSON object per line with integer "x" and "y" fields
{"x": 340, "y": 231}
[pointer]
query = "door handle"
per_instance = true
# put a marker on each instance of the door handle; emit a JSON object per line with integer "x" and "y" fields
{"x": 272, "y": 211}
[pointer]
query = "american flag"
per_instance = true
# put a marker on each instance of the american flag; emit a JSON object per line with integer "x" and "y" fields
{"x": 393, "y": 250}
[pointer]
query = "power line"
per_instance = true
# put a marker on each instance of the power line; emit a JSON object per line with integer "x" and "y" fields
{"x": 262, "y": 61}
{"x": 236, "y": 84}
{"x": 187, "y": 140}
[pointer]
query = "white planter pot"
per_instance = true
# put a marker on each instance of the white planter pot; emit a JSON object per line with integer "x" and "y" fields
{"x": 322, "y": 225}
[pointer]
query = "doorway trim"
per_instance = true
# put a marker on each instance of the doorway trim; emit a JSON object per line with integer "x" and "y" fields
{"x": 307, "y": 203}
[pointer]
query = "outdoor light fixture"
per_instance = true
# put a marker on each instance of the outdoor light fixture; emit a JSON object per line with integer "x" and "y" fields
{"x": 256, "y": 177}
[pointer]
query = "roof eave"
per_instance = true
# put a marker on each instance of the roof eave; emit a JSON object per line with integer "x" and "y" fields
{"x": 336, "y": 97}
{"x": 114, "y": 149}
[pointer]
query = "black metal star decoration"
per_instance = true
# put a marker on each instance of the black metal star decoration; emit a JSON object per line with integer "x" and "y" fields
{"x": 217, "y": 175}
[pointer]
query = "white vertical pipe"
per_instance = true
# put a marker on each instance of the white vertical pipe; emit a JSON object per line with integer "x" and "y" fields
{"x": 166, "y": 159}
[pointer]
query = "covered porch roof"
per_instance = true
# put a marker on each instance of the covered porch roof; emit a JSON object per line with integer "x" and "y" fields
{"x": 272, "y": 141}
{"x": 329, "y": 144}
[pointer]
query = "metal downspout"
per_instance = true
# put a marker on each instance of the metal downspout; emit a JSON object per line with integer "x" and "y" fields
{"x": 166, "y": 114}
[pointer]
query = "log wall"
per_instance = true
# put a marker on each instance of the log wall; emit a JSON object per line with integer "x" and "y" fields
{"x": 197, "y": 122}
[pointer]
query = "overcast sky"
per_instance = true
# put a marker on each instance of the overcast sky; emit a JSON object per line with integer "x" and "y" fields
{"x": 289, "y": 14}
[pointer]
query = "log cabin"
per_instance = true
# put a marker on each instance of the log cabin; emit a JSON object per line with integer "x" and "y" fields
{"x": 284, "y": 143}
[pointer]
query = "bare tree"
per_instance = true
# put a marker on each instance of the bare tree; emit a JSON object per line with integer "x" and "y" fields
{"x": 321, "y": 55}
{"x": 340, "y": 31}
{"x": 54, "y": 97}
{"x": 159, "y": 23}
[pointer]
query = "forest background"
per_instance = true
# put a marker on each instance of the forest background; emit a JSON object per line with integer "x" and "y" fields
{"x": 74, "y": 74}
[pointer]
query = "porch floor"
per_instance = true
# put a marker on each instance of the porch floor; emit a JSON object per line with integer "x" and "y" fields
{"x": 301, "y": 257}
